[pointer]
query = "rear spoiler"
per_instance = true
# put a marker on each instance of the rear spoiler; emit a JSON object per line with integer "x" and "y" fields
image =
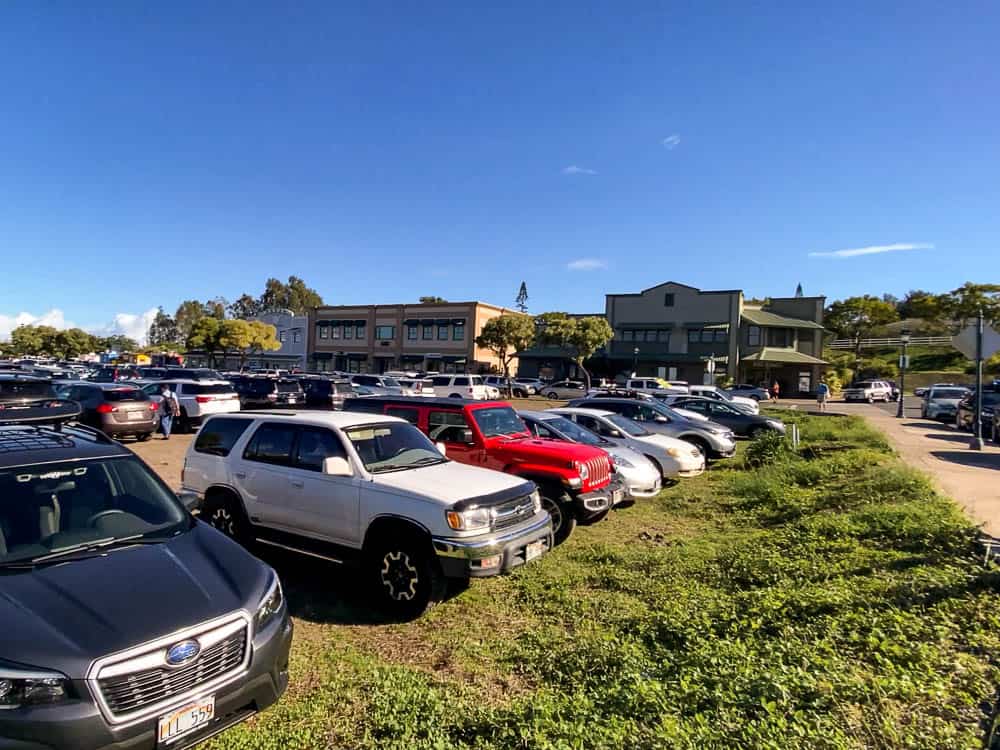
{"x": 53, "y": 411}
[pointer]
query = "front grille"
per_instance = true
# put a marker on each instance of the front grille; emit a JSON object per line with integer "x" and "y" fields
{"x": 600, "y": 471}
{"x": 513, "y": 512}
{"x": 129, "y": 693}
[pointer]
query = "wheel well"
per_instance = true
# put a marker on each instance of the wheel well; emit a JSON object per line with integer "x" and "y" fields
{"x": 222, "y": 494}
{"x": 392, "y": 526}
{"x": 697, "y": 440}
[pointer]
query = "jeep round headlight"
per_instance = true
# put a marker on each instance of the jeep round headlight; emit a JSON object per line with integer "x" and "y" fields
{"x": 270, "y": 605}
{"x": 469, "y": 520}
{"x": 583, "y": 470}
{"x": 22, "y": 688}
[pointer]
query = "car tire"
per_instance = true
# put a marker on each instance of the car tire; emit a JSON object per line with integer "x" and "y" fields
{"x": 552, "y": 395}
{"x": 406, "y": 578}
{"x": 224, "y": 513}
{"x": 559, "y": 506}
{"x": 698, "y": 443}
{"x": 142, "y": 437}
{"x": 870, "y": 399}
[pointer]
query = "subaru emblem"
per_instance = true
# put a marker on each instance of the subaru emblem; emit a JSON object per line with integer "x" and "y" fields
{"x": 183, "y": 652}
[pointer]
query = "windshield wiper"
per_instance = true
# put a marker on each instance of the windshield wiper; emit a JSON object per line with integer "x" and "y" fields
{"x": 427, "y": 460}
{"x": 91, "y": 546}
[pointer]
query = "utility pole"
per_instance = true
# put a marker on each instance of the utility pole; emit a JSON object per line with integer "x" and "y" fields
{"x": 977, "y": 440}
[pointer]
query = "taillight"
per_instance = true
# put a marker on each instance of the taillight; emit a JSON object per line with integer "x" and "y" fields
{"x": 272, "y": 396}
{"x": 105, "y": 408}
{"x": 153, "y": 406}
{"x": 202, "y": 399}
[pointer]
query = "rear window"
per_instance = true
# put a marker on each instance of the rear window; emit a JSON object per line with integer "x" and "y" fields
{"x": 441, "y": 380}
{"x": 261, "y": 386}
{"x": 461, "y": 381}
{"x": 25, "y": 389}
{"x": 202, "y": 388}
{"x": 129, "y": 394}
{"x": 476, "y": 380}
{"x": 289, "y": 386}
{"x": 218, "y": 436}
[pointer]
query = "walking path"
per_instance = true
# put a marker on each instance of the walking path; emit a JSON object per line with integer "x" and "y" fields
{"x": 971, "y": 478}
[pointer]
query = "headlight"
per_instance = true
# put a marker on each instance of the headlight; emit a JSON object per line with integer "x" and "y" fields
{"x": 19, "y": 688}
{"x": 620, "y": 461}
{"x": 469, "y": 520}
{"x": 270, "y": 605}
{"x": 536, "y": 499}
{"x": 774, "y": 423}
{"x": 582, "y": 469}
{"x": 675, "y": 452}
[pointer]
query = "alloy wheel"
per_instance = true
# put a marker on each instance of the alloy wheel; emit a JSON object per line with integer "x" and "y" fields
{"x": 399, "y": 576}
{"x": 222, "y": 520}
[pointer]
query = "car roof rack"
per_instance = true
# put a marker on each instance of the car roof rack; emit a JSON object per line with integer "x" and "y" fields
{"x": 53, "y": 411}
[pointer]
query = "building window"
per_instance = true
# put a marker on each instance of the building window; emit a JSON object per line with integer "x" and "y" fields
{"x": 296, "y": 337}
{"x": 458, "y": 332}
{"x": 335, "y": 332}
{"x": 721, "y": 337}
{"x": 411, "y": 333}
{"x": 781, "y": 337}
{"x": 668, "y": 299}
{"x": 628, "y": 335}
{"x": 281, "y": 336}
{"x": 323, "y": 332}
{"x": 428, "y": 331}
{"x": 663, "y": 337}
{"x": 694, "y": 335}
{"x": 359, "y": 331}
{"x": 707, "y": 336}
{"x": 753, "y": 336}
{"x": 348, "y": 332}
{"x": 385, "y": 333}
{"x": 443, "y": 332}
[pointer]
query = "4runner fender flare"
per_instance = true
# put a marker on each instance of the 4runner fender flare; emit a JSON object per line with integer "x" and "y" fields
{"x": 387, "y": 524}
{"x": 226, "y": 491}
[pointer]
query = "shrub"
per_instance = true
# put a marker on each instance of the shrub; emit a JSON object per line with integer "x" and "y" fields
{"x": 766, "y": 449}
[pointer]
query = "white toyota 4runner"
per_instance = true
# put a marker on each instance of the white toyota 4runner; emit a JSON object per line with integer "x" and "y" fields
{"x": 364, "y": 489}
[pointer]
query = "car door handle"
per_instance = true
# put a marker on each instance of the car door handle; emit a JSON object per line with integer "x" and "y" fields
{"x": 240, "y": 474}
{"x": 297, "y": 483}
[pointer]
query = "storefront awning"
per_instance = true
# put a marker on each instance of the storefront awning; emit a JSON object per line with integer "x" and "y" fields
{"x": 357, "y": 355}
{"x": 323, "y": 323}
{"x": 322, "y": 355}
{"x": 758, "y": 317}
{"x": 783, "y": 357}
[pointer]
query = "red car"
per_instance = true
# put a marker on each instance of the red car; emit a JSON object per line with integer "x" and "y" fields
{"x": 577, "y": 482}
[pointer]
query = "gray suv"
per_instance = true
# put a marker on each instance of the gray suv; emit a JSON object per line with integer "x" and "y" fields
{"x": 714, "y": 440}
{"x": 126, "y": 622}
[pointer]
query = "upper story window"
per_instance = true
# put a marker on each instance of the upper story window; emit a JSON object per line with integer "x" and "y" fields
{"x": 411, "y": 332}
{"x": 628, "y": 335}
{"x": 708, "y": 336}
{"x": 323, "y": 332}
{"x": 443, "y": 332}
{"x": 668, "y": 299}
{"x": 781, "y": 337}
{"x": 296, "y": 337}
{"x": 348, "y": 332}
{"x": 385, "y": 333}
{"x": 335, "y": 332}
{"x": 359, "y": 330}
{"x": 428, "y": 332}
{"x": 753, "y": 335}
{"x": 281, "y": 336}
{"x": 458, "y": 331}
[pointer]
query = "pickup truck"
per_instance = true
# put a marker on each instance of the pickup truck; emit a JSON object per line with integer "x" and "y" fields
{"x": 577, "y": 482}
{"x": 365, "y": 490}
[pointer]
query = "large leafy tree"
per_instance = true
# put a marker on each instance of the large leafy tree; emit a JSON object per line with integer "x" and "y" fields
{"x": 32, "y": 340}
{"x": 855, "y": 317}
{"x": 579, "y": 337}
{"x": 188, "y": 313}
{"x": 72, "y": 343}
{"x": 294, "y": 295}
{"x": 505, "y": 336}
{"x": 118, "y": 342}
{"x": 216, "y": 308}
{"x": 205, "y": 336}
{"x": 163, "y": 331}
{"x": 965, "y": 303}
{"x": 262, "y": 337}
{"x": 245, "y": 307}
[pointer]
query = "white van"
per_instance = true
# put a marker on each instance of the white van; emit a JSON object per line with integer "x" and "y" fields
{"x": 460, "y": 386}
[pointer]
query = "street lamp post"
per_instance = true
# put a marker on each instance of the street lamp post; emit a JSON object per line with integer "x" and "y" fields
{"x": 635, "y": 361}
{"x": 904, "y": 337}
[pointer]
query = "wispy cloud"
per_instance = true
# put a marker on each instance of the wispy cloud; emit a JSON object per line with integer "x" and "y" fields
{"x": 853, "y": 252}
{"x": 573, "y": 169}
{"x": 671, "y": 142}
{"x": 586, "y": 264}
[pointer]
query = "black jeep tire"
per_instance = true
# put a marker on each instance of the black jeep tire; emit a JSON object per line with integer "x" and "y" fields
{"x": 142, "y": 437}
{"x": 405, "y": 577}
{"x": 560, "y": 507}
{"x": 224, "y": 513}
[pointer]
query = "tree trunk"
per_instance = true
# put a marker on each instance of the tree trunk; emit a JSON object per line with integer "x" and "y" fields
{"x": 586, "y": 374}
{"x": 505, "y": 363}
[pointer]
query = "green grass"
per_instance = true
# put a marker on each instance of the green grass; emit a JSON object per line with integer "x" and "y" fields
{"x": 826, "y": 601}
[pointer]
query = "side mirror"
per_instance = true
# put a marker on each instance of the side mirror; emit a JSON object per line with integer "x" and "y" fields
{"x": 614, "y": 433}
{"x": 661, "y": 419}
{"x": 189, "y": 500}
{"x": 467, "y": 436}
{"x": 441, "y": 448}
{"x": 337, "y": 466}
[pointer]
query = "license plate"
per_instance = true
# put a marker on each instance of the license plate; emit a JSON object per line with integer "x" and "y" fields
{"x": 185, "y": 720}
{"x": 135, "y": 416}
{"x": 533, "y": 550}
{"x": 616, "y": 497}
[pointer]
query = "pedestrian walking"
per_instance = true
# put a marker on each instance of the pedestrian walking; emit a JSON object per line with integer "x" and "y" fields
{"x": 822, "y": 395}
{"x": 775, "y": 390}
{"x": 169, "y": 410}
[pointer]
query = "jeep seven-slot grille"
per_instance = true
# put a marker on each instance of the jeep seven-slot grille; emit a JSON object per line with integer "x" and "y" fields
{"x": 600, "y": 471}
{"x": 127, "y": 693}
{"x": 513, "y": 512}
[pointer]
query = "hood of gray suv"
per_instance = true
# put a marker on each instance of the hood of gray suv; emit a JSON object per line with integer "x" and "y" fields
{"x": 62, "y": 616}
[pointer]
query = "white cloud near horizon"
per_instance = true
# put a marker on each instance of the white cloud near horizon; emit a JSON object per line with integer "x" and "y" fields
{"x": 586, "y": 264}
{"x": 671, "y": 141}
{"x": 574, "y": 169}
{"x": 133, "y": 325}
{"x": 854, "y": 252}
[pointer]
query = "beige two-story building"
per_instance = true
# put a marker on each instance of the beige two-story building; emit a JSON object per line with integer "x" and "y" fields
{"x": 377, "y": 338}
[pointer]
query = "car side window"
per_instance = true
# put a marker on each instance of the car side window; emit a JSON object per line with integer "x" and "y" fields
{"x": 448, "y": 426}
{"x": 219, "y": 435}
{"x": 271, "y": 444}
{"x": 648, "y": 415}
{"x": 410, "y": 415}
{"x": 461, "y": 381}
{"x": 442, "y": 381}
{"x": 314, "y": 446}
{"x": 591, "y": 424}
{"x": 542, "y": 431}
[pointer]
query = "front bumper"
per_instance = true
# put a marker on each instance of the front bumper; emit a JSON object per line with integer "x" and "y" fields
{"x": 79, "y": 725}
{"x": 641, "y": 483}
{"x": 493, "y": 554}
{"x": 722, "y": 448}
{"x": 590, "y": 507}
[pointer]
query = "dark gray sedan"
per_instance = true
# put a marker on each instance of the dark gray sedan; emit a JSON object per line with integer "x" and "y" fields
{"x": 743, "y": 424}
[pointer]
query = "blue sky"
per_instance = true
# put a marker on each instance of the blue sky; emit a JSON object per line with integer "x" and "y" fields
{"x": 152, "y": 153}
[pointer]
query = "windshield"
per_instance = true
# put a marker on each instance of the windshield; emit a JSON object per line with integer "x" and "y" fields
{"x": 393, "y": 446}
{"x": 25, "y": 389}
{"x": 46, "y": 508}
{"x": 573, "y": 431}
{"x": 627, "y": 426}
{"x": 390, "y": 383}
{"x": 949, "y": 393}
{"x": 499, "y": 420}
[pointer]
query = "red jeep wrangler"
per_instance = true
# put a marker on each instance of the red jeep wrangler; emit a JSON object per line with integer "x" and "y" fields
{"x": 577, "y": 482}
